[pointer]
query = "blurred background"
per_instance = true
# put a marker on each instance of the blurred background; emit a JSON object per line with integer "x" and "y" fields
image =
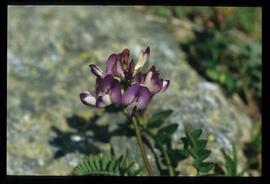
{"x": 50, "y": 48}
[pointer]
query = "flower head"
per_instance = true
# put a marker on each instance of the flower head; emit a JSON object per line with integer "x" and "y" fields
{"x": 151, "y": 81}
{"x": 138, "y": 88}
{"x": 107, "y": 92}
{"x": 136, "y": 96}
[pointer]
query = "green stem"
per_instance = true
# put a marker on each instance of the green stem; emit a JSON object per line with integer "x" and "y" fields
{"x": 143, "y": 152}
{"x": 198, "y": 172}
{"x": 165, "y": 154}
{"x": 167, "y": 159}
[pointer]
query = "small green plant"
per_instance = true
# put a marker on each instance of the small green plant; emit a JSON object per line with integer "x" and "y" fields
{"x": 193, "y": 145}
{"x": 196, "y": 148}
{"x": 231, "y": 163}
{"x": 161, "y": 137}
{"x": 232, "y": 60}
{"x": 124, "y": 87}
{"x": 235, "y": 65}
{"x": 107, "y": 164}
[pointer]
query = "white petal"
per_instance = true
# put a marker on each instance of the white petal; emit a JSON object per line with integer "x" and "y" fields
{"x": 107, "y": 99}
{"x": 142, "y": 59}
{"x": 90, "y": 100}
{"x": 148, "y": 78}
{"x": 87, "y": 98}
{"x": 165, "y": 85}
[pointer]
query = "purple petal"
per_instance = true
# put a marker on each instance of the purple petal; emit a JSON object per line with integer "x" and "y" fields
{"x": 147, "y": 51}
{"x": 98, "y": 85}
{"x": 113, "y": 65}
{"x": 125, "y": 55}
{"x": 116, "y": 96}
{"x": 106, "y": 84}
{"x": 136, "y": 96}
{"x": 155, "y": 86}
{"x": 96, "y": 70}
{"x": 124, "y": 59}
{"x": 143, "y": 98}
{"x": 110, "y": 63}
{"x": 152, "y": 81}
{"x": 130, "y": 94}
{"x": 139, "y": 77}
{"x": 131, "y": 68}
{"x": 165, "y": 85}
{"x": 155, "y": 72}
{"x": 87, "y": 98}
{"x": 117, "y": 70}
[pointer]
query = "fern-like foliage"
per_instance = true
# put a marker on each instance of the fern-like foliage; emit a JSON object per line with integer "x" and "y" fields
{"x": 106, "y": 164}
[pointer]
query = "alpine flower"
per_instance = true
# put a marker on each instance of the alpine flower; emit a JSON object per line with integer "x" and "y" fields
{"x": 123, "y": 83}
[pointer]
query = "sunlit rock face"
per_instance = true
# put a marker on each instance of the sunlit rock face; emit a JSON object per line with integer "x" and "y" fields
{"x": 49, "y": 49}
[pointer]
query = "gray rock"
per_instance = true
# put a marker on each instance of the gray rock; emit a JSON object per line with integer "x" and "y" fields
{"x": 49, "y": 50}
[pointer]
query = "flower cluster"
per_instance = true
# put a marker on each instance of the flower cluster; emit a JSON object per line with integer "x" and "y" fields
{"x": 123, "y": 83}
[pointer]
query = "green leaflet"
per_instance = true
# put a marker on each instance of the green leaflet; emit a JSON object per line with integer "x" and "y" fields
{"x": 107, "y": 165}
{"x": 196, "y": 133}
{"x": 165, "y": 133}
{"x": 196, "y": 148}
{"x": 204, "y": 167}
{"x": 201, "y": 143}
{"x": 203, "y": 154}
{"x": 231, "y": 163}
{"x": 158, "y": 118}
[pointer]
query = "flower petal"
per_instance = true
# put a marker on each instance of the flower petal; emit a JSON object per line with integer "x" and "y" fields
{"x": 115, "y": 95}
{"x": 152, "y": 82}
{"x": 143, "y": 98}
{"x": 131, "y": 109}
{"x": 87, "y": 98}
{"x": 131, "y": 68}
{"x": 148, "y": 78}
{"x": 100, "y": 103}
{"x": 107, "y": 99}
{"x": 155, "y": 86}
{"x": 98, "y": 85}
{"x": 130, "y": 94}
{"x": 113, "y": 65}
{"x": 154, "y": 70}
{"x": 165, "y": 85}
{"x": 117, "y": 69}
{"x": 110, "y": 63}
{"x": 142, "y": 59}
{"x": 96, "y": 70}
{"x": 124, "y": 59}
{"x": 139, "y": 77}
{"x": 106, "y": 84}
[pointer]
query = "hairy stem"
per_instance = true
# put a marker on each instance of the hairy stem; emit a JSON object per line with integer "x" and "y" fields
{"x": 143, "y": 152}
{"x": 164, "y": 153}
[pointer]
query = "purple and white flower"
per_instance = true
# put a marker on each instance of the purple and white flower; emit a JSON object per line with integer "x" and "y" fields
{"x": 107, "y": 92}
{"x": 123, "y": 83}
{"x": 151, "y": 80}
{"x": 136, "y": 96}
{"x": 116, "y": 64}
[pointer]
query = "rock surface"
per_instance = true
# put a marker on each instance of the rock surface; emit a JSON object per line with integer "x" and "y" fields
{"x": 49, "y": 50}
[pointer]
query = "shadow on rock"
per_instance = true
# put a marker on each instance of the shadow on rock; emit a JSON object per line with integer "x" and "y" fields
{"x": 85, "y": 136}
